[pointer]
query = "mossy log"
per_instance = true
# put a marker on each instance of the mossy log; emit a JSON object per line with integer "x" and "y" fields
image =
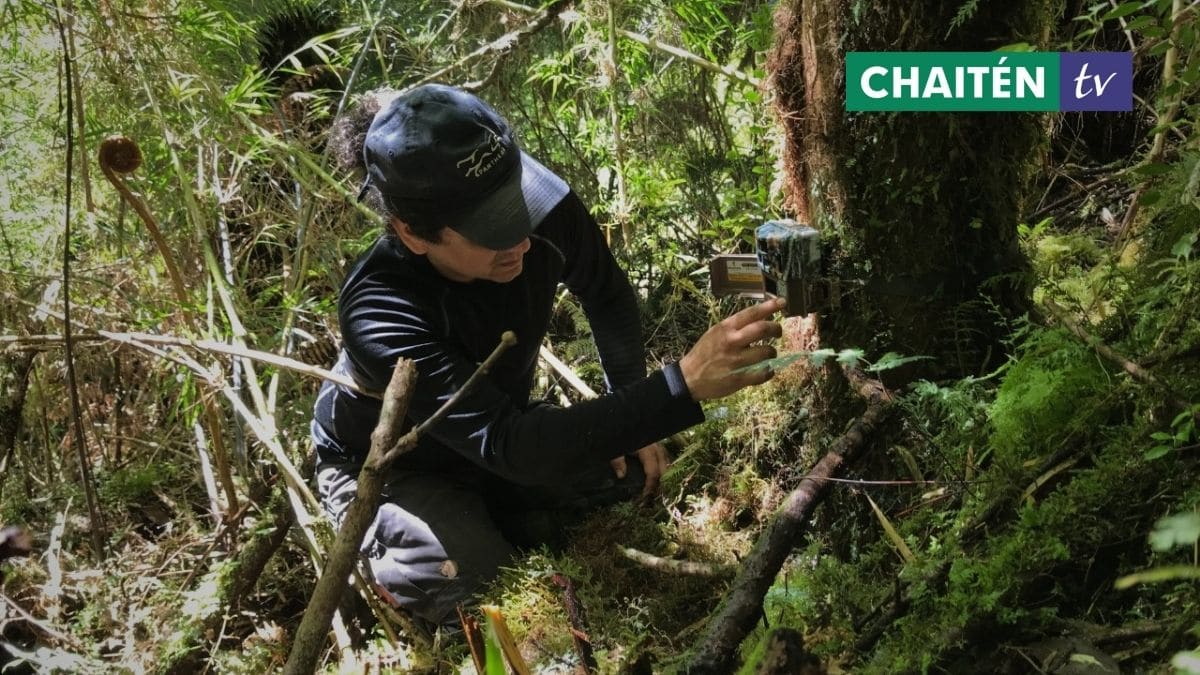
{"x": 184, "y": 654}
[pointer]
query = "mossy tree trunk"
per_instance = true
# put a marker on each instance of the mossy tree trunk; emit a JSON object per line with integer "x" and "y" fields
{"x": 922, "y": 206}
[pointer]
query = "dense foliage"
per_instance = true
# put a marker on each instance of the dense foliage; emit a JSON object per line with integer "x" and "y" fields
{"x": 1054, "y": 499}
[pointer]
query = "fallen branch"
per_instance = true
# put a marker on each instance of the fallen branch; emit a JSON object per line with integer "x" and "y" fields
{"x": 1137, "y": 372}
{"x": 210, "y": 346}
{"x": 387, "y": 444}
{"x": 717, "y": 649}
{"x": 688, "y": 568}
{"x": 187, "y": 655}
{"x": 583, "y": 644}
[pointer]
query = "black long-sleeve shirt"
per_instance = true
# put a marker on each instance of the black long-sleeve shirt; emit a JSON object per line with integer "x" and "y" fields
{"x": 394, "y": 304}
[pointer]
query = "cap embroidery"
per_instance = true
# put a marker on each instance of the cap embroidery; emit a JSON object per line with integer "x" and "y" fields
{"x": 484, "y": 157}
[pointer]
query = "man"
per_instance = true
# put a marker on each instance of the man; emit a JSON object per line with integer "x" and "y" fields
{"x": 481, "y": 234}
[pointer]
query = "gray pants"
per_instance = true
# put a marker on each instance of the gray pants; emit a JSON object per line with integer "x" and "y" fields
{"x": 439, "y": 538}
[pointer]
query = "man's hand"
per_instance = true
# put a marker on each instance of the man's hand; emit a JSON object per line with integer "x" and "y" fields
{"x": 709, "y": 368}
{"x": 654, "y": 462}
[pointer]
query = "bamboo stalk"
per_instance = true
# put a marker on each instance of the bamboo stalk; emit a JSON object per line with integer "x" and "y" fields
{"x": 211, "y": 346}
{"x": 95, "y": 516}
{"x": 614, "y": 115}
{"x": 564, "y": 371}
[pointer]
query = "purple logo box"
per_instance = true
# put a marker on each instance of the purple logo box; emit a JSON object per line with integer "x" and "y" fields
{"x": 1095, "y": 81}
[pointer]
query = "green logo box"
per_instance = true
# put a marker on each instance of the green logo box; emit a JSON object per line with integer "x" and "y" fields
{"x": 952, "y": 81}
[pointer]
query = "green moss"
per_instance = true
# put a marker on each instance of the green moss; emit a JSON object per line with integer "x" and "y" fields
{"x": 1050, "y": 391}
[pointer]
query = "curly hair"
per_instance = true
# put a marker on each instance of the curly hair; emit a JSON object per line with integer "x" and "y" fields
{"x": 346, "y": 140}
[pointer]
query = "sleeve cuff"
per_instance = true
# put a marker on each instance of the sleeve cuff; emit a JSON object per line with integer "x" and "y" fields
{"x": 675, "y": 382}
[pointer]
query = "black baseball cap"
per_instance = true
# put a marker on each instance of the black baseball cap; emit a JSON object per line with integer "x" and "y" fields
{"x": 439, "y": 153}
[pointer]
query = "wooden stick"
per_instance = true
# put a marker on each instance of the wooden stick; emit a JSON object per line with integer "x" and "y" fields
{"x": 387, "y": 443}
{"x": 583, "y": 644}
{"x": 689, "y": 568}
{"x": 211, "y": 346}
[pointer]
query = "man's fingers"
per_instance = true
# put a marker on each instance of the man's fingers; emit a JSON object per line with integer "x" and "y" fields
{"x": 618, "y": 466}
{"x": 753, "y": 355}
{"x": 651, "y": 485}
{"x": 759, "y": 330}
{"x": 757, "y": 312}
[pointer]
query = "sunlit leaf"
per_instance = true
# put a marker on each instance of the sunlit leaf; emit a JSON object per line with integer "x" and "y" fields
{"x": 1122, "y": 10}
{"x": 1182, "y": 529}
{"x": 1157, "y": 575}
{"x": 893, "y": 360}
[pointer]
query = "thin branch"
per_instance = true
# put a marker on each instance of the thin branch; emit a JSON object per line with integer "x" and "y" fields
{"x": 654, "y": 43}
{"x": 689, "y": 568}
{"x": 575, "y": 615}
{"x": 409, "y": 440}
{"x": 211, "y": 346}
{"x": 386, "y": 444}
{"x": 41, "y": 625}
{"x": 1137, "y": 372}
{"x": 85, "y": 462}
{"x": 501, "y": 46}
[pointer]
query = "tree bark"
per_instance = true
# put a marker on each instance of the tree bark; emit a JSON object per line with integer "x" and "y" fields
{"x": 923, "y": 207}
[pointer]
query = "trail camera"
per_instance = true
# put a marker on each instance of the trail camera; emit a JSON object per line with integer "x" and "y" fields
{"x": 787, "y": 264}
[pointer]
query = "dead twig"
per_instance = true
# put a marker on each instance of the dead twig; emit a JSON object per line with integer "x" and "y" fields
{"x": 1137, "y": 372}
{"x": 387, "y": 444}
{"x": 583, "y": 644}
{"x": 95, "y": 516}
{"x": 688, "y": 568}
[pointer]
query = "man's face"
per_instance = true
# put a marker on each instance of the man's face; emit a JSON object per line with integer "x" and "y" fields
{"x": 460, "y": 259}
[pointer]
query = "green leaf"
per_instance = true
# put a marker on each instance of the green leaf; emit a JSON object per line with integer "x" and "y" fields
{"x": 818, "y": 357}
{"x": 1187, "y": 663}
{"x": 1141, "y": 22}
{"x": 1123, "y": 9}
{"x": 1017, "y": 47}
{"x": 778, "y": 363}
{"x": 1156, "y": 452}
{"x": 893, "y": 360}
{"x": 1182, "y": 529}
{"x": 1157, "y": 574}
{"x": 1156, "y": 169}
{"x": 1183, "y": 247}
{"x": 1161, "y": 436}
{"x": 850, "y": 357}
